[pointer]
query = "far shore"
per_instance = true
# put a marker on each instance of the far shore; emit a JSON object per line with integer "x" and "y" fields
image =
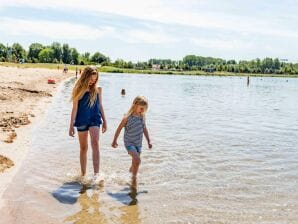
{"x": 110, "y": 69}
{"x": 24, "y": 96}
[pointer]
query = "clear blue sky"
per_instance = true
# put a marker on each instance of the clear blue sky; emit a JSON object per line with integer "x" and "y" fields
{"x": 138, "y": 30}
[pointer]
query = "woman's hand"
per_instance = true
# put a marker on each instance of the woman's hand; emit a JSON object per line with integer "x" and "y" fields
{"x": 104, "y": 127}
{"x": 71, "y": 131}
{"x": 149, "y": 145}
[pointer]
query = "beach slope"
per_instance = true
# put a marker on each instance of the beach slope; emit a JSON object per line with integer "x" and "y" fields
{"x": 24, "y": 96}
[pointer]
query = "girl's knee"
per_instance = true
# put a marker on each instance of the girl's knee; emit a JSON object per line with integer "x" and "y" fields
{"x": 137, "y": 160}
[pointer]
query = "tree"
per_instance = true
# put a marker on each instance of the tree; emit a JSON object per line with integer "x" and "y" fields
{"x": 56, "y": 47}
{"x": 3, "y": 52}
{"x": 190, "y": 60}
{"x": 99, "y": 58}
{"x": 267, "y": 64}
{"x": 276, "y": 64}
{"x": 74, "y": 55}
{"x": 66, "y": 57}
{"x": 231, "y": 62}
{"x": 18, "y": 51}
{"x": 119, "y": 63}
{"x": 84, "y": 59}
{"x": 34, "y": 50}
{"x": 46, "y": 55}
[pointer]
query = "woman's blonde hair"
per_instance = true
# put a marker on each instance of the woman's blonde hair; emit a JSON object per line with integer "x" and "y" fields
{"x": 139, "y": 100}
{"x": 82, "y": 85}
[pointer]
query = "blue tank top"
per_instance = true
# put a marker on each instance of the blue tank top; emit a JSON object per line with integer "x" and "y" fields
{"x": 87, "y": 115}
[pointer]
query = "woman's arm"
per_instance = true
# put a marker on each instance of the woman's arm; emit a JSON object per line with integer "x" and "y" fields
{"x": 104, "y": 125}
{"x": 73, "y": 117}
{"x": 117, "y": 133}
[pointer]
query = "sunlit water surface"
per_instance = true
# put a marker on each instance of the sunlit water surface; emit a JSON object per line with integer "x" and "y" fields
{"x": 223, "y": 152}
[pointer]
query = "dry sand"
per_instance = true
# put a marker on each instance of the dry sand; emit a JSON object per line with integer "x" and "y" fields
{"x": 24, "y": 96}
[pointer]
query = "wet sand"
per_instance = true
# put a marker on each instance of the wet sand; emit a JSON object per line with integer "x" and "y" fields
{"x": 24, "y": 95}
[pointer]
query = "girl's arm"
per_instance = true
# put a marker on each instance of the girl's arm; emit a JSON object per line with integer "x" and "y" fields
{"x": 104, "y": 125}
{"x": 117, "y": 133}
{"x": 146, "y": 133}
{"x": 74, "y": 110}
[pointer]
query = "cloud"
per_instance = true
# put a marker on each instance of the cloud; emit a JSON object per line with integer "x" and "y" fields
{"x": 147, "y": 37}
{"x": 54, "y": 30}
{"x": 221, "y": 44}
{"x": 223, "y": 15}
{"x": 227, "y": 27}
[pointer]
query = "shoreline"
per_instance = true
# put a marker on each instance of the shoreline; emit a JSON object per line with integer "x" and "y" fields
{"x": 111, "y": 69}
{"x": 24, "y": 98}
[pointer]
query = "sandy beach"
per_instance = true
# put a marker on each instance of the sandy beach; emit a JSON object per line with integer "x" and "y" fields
{"x": 24, "y": 96}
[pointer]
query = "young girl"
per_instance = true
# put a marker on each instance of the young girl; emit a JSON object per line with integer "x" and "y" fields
{"x": 135, "y": 127}
{"x": 87, "y": 115}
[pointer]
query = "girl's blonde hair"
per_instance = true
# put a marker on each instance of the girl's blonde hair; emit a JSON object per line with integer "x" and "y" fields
{"x": 139, "y": 100}
{"x": 82, "y": 85}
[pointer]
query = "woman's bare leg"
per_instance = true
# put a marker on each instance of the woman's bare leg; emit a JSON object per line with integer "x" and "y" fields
{"x": 94, "y": 135}
{"x": 83, "y": 139}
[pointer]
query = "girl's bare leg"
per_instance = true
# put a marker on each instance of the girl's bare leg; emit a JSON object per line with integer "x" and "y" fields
{"x": 135, "y": 162}
{"x": 83, "y": 139}
{"x": 94, "y": 135}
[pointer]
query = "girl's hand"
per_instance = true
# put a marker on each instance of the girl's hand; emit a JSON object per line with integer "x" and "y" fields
{"x": 150, "y": 145}
{"x": 104, "y": 127}
{"x": 114, "y": 144}
{"x": 71, "y": 131}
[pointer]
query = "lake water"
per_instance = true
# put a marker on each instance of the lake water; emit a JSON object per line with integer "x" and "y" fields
{"x": 223, "y": 152}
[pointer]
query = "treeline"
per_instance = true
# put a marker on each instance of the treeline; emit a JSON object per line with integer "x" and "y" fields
{"x": 57, "y": 53}
{"x": 209, "y": 64}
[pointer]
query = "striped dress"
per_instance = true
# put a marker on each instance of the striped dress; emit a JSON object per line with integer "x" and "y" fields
{"x": 134, "y": 129}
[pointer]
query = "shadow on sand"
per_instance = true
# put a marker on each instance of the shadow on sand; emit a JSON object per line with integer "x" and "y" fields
{"x": 69, "y": 192}
{"x": 88, "y": 199}
{"x": 128, "y": 195}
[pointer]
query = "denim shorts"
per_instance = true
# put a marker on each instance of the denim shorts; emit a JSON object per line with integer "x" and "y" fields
{"x": 86, "y": 127}
{"x": 131, "y": 148}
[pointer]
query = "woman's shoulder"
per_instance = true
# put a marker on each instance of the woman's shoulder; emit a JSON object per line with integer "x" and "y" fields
{"x": 99, "y": 89}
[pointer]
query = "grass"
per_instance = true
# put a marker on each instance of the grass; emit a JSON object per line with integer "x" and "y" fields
{"x": 110, "y": 69}
{"x": 41, "y": 65}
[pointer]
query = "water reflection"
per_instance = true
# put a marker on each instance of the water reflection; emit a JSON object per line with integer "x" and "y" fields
{"x": 128, "y": 196}
{"x": 88, "y": 198}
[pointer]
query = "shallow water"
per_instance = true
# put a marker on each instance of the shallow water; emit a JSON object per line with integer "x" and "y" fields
{"x": 223, "y": 152}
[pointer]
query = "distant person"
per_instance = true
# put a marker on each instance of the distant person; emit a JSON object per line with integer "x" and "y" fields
{"x": 87, "y": 116}
{"x": 76, "y": 72}
{"x": 65, "y": 69}
{"x": 123, "y": 92}
{"x": 247, "y": 80}
{"x": 135, "y": 127}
